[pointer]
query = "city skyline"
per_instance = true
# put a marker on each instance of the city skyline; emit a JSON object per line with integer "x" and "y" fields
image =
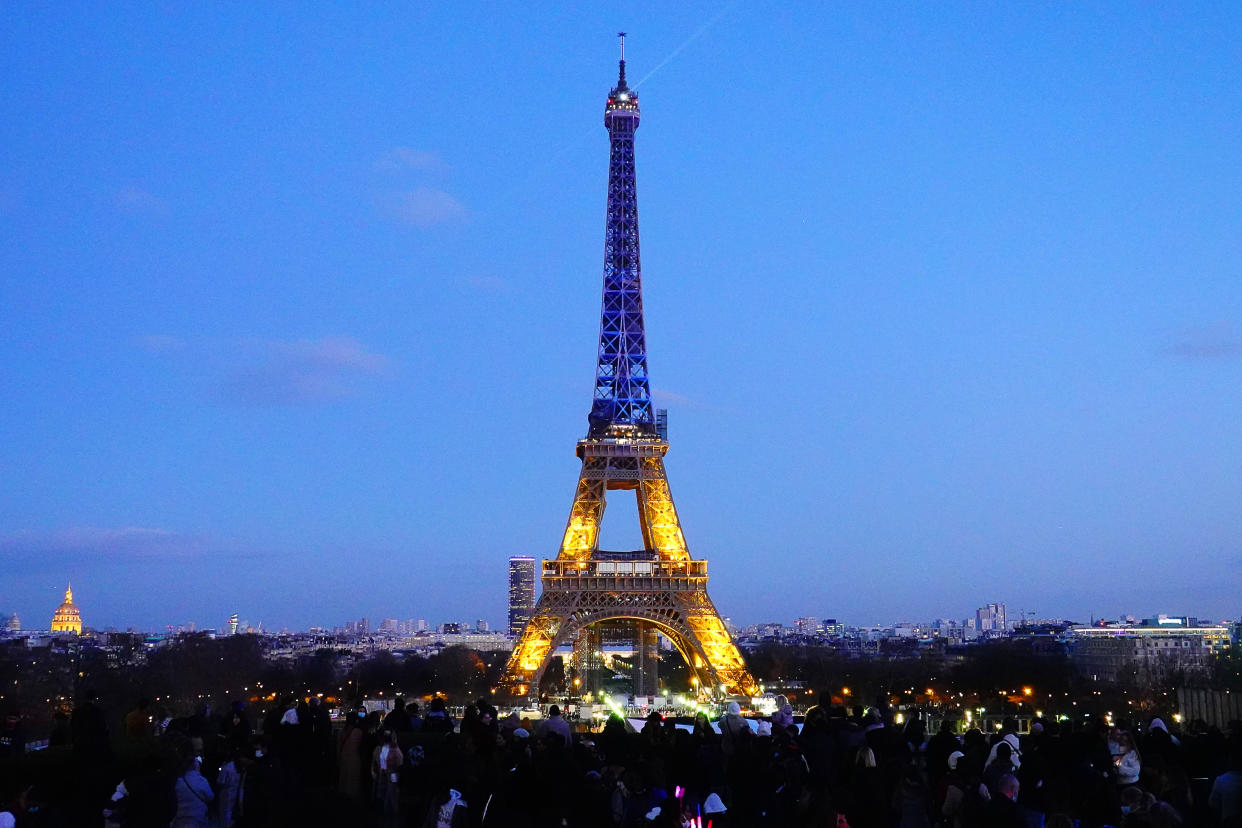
{"x": 985, "y": 618}
{"x": 280, "y": 288}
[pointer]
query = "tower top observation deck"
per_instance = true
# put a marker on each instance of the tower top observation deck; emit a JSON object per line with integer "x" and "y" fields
{"x": 622, "y": 101}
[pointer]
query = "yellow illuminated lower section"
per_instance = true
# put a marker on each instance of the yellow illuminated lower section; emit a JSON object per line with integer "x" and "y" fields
{"x": 696, "y": 631}
{"x": 660, "y": 526}
{"x": 684, "y": 614}
{"x": 582, "y": 530}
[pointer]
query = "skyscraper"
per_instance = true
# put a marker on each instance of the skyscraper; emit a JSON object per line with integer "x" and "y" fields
{"x": 991, "y": 620}
{"x": 521, "y": 593}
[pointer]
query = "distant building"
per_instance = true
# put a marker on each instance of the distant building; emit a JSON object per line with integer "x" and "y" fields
{"x": 771, "y": 630}
{"x": 950, "y": 630}
{"x": 990, "y": 620}
{"x": 15, "y": 624}
{"x": 1146, "y": 654}
{"x": 482, "y": 626}
{"x": 67, "y": 617}
{"x": 232, "y": 624}
{"x": 808, "y": 625}
{"x": 521, "y": 593}
{"x": 360, "y": 627}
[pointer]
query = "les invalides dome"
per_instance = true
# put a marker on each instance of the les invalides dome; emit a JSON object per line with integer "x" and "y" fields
{"x": 67, "y": 618}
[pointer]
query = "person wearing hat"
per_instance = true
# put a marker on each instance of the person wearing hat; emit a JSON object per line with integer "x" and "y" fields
{"x": 733, "y": 732}
{"x": 714, "y": 811}
{"x": 1015, "y": 756}
{"x": 783, "y": 715}
{"x": 961, "y": 792}
{"x": 999, "y": 767}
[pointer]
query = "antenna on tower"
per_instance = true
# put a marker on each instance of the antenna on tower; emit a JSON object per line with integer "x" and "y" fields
{"x": 621, "y": 81}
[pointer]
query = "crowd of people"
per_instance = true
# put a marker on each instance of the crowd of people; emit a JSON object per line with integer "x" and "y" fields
{"x": 836, "y": 767}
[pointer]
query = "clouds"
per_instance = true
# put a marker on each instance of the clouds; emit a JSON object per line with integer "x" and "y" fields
{"x": 426, "y": 203}
{"x": 96, "y": 545}
{"x": 425, "y": 206}
{"x": 272, "y": 372}
{"x": 302, "y": 372}
{"x": 665, "y": 397}
{"x": 399, "y": 159}
{"x": 123, "y": 575}
{"x": 1218, "y": 340}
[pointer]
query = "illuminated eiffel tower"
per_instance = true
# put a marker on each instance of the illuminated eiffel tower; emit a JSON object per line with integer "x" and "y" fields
{"x": 659, "y": 589}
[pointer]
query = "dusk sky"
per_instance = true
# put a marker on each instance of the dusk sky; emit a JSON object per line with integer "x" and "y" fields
{"x": 299, "y": 304}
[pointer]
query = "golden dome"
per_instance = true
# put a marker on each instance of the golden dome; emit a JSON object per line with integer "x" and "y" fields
{"x": 67, "y": 618}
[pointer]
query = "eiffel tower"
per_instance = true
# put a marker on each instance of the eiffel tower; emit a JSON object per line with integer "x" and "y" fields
{"x": 659, "y": 589}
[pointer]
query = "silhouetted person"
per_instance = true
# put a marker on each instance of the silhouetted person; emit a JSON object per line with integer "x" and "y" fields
{"x": 138, "y": 724}
{"x": 194, "y": 796}
{"x": 398, "y": 719}
{"x": 555, "y": 723}
{"x": 89, "y": 730}
{"x": 1225, "y": 799}
{"x": 437, "y": 719}
{"x": 1003, "y": 810}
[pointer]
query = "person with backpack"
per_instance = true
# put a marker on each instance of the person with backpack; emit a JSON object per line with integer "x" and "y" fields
{"x": 194, "y": 795}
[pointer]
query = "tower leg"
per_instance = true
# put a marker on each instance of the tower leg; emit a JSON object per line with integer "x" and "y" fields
{"x": 683, "y": 612}
{"x": 646, "y": 659}
{"x": 587, "y": 666}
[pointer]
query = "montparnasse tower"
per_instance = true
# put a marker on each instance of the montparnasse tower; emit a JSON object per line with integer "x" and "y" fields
{"x": 67, "y": 618}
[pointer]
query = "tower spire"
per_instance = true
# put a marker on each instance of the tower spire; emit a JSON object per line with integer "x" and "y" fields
{"x": 622, "y": 400}
{"x": 621, "y": 77}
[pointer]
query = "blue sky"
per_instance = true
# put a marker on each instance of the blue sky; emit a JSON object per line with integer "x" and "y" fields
{"x": 299, "y": 303}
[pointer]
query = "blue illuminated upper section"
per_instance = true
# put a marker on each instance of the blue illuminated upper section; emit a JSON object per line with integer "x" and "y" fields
{"x": 622, "y": 400}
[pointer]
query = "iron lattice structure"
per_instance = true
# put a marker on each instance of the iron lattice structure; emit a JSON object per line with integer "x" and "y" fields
{"x": 660, "y": 587}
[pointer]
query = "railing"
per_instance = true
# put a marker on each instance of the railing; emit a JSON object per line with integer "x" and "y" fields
{"x": 626, "y": 555}
{"x": 612, "y": 570}
{"x": 639, "y": 447}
